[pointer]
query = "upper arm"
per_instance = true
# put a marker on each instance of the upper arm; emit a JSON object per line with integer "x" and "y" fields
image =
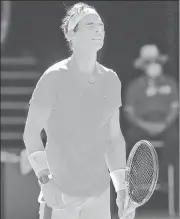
{"x": 114, "y": 130}
{"x": 37, "y": 118}
{"x": 41, "y": 103}
{"x": 116, "y": 88}
{"x": 44, "y": 95}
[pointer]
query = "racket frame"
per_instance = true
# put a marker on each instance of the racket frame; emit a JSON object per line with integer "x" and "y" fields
{"x": 132, "y": 204}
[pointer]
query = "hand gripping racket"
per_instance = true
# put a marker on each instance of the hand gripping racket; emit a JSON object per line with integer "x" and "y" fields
{"x": 142, "y": 172}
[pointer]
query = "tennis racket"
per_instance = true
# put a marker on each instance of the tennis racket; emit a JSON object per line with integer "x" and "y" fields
{"x": 142, "y": 172}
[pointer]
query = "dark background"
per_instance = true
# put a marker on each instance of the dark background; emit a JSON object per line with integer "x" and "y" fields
{"x": 34, "y": 28}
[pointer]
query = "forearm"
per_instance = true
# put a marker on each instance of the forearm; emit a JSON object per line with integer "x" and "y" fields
{"x": 116, "y": 154}
{"x": 32, "y": 140}
{"x": 34, "y": 144}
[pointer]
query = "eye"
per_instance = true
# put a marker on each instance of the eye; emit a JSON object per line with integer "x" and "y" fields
{"x": 101, "y": 25}
{"x": 89, "y": 24}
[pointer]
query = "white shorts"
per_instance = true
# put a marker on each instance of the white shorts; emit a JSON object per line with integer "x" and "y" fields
{"x": 89, "y": 208}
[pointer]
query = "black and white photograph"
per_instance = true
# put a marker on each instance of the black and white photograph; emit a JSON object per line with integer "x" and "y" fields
{"x": 90, "y": 109}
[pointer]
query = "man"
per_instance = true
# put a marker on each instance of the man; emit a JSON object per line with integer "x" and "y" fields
{"x": 151, "y": 102}
{"x": 76, "y": 102}
{"x": 151, "y": 107}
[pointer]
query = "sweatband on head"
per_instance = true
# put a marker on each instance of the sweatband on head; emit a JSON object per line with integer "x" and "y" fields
{"x": 38, "y": 161}
{"x": 74, "y": 20}
{"x": 118, "y": 179}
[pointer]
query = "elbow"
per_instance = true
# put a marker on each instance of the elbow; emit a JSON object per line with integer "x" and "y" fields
{"x": 30, "y": 133}
{"x": 27, "y": 132}
{"x": 26, "y": 141}
{"x": 32, "y": 140}
{"x": 118, "y": 137}
{"x": 117, "y": 142}
{"x": 26, "y": 137}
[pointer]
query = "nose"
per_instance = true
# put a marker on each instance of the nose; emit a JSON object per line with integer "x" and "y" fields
{"x": 100, "y": 29}
{"x": 100, "y": 32}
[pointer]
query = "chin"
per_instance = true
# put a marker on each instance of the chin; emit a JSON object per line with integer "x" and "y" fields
{"x": 98, "y": 49}
{"x": 95, "y": 50}
{"x": 98, "y": 46}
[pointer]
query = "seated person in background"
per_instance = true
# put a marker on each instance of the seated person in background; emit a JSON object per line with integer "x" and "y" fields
{"x": 151, "y": 103}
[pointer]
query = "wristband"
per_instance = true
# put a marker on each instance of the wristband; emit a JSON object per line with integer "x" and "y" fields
{"x": 38, "y": 161}
{"x": 118, "y": 179}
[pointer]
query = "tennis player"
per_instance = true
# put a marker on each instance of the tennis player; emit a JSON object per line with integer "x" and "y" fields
{"x": 77, "y": 102}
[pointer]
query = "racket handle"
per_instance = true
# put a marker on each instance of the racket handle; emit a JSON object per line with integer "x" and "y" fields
{"x": 128, "y": 211}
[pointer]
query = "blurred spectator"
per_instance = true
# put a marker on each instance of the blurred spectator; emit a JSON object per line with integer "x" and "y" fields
{"x": 8, "y": 157}
{"x": 22, "y": 159}
{"x": 151, "y": 104}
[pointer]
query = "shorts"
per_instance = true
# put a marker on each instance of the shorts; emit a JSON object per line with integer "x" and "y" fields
{"x": 86, "y": 208}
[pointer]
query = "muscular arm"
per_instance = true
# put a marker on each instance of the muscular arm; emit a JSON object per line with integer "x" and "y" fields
{"x": 116, "y": 152}
{"x": 116, "y": 158}
{"x": 36, "y": 121}
{"x": 41, "y": 105}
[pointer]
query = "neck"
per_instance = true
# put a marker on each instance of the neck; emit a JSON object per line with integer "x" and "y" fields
{"x": 86, "y": 62}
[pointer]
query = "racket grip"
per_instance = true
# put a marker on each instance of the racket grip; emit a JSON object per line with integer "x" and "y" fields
{"x": 128, "y": 211}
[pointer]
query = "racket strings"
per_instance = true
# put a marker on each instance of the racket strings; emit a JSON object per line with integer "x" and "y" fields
{"x": 143, "y": 167}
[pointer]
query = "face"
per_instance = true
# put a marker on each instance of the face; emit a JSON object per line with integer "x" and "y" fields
{"x": 153, "y": 69}
{"x": 90, "y": 33}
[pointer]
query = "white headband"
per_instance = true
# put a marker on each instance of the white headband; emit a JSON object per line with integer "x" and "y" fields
{"x": 76, "y": 18}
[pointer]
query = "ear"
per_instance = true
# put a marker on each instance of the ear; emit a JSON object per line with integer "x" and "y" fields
{"x": 70, "y": 35}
